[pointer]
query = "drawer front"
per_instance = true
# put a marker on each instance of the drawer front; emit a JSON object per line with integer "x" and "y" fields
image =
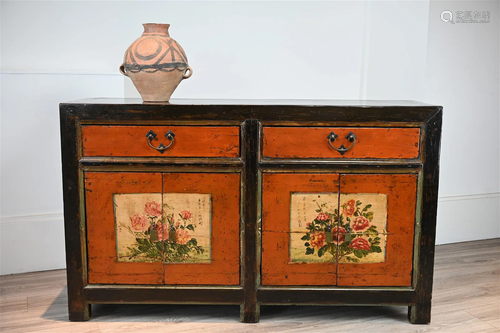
{"x": 188, "y": 141}
{"x": 314, "y": 142}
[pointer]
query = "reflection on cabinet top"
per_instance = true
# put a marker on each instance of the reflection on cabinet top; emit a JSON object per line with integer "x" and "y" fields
{"x": 274, "y": 102}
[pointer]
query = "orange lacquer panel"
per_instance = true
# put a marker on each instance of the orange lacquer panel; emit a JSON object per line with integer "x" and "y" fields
{"x": 189, "y": 141}
{"x": 107, "y": 267}
{"x": 224, "y": 266}
{"x": 103, "y": 264}
{"x": 312, "y": 142}
{"x": 277, "y": 267}
{"x": 396, "y": 270}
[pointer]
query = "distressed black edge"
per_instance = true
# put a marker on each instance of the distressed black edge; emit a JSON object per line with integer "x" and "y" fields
{"x": 136, "y": 294}
{"x": 421, "y": 312}
{"x": 220, "y": 113}
{"x": 321, "y": 296}
{"x": 76, "y": 264}
{"x": 251, "y": 139}
{"x": 155, "y": 161}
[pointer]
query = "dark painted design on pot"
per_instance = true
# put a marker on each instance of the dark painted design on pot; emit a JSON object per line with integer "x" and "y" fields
{"x": 156, "y": 63}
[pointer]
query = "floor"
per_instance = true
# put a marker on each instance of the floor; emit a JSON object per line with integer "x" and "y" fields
{"x": 466, "y": 298}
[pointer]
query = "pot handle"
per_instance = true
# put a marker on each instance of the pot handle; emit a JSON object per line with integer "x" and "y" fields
{"x": 122, "y": 69}
{"x": 187, "y": 76}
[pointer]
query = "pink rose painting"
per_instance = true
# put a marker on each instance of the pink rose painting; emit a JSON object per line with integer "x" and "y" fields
{"x": 323, "y": 217}
{"x": 182, "y": 236}
{"x": 168, "y": 228}
{"x": 153, "y": 209}
{"x": 186, "y": 214}
{"x": 139, "y": 222}
{"x": 161, "y": 231}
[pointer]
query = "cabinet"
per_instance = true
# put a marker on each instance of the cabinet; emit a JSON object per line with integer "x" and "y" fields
{"x": 250, "y": 203}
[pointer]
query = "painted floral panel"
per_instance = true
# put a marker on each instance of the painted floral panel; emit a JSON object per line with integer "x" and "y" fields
{"x": 319, "y": 234}
{"x": 173, "y": 228}
{"x": 362, "y": 228}
{"x": 311, "y": 216}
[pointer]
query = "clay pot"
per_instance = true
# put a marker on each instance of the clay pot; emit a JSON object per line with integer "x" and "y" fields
{"x": 156, "y": 63}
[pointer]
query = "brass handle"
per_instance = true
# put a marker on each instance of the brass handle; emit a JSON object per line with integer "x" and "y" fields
{"x": 342, "y": 150}
{"x": 161, "y": 148}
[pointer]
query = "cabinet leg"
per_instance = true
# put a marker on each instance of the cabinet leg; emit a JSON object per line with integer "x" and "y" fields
{"x": 79, "y": 312}
{"x": 250, "y": 313}
{"x": 420, "y": 313}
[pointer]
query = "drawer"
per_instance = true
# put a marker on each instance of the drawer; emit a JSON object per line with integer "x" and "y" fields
{"x": 316, "y": 142}
{"x": 187, "y": 141}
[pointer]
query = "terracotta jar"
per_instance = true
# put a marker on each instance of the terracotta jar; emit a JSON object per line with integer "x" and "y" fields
{"x": 156, "y": 63}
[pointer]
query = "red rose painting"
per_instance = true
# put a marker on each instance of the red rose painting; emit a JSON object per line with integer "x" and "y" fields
{"x": 360, "y": 223}
{"x": 360, "y": 244}
{"x": 349, "y": 207}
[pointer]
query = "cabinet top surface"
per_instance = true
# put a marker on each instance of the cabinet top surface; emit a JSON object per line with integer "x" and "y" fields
{"x": 259, "y": 102}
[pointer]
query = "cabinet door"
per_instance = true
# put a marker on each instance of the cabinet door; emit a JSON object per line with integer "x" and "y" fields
{"x": 120, "y": 209}
{"x": 202, "y": 239}
{"x": 299, "y": 212}
{"x": 376, "y": 232}
{"x": 172, "y": 228}
{"x": 315, "y": 232}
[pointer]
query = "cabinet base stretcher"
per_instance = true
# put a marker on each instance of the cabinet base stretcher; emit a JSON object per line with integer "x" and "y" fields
{"x": 418, "y": 313}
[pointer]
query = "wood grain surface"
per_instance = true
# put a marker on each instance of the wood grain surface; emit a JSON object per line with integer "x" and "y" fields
{"x": 466, "y": 299}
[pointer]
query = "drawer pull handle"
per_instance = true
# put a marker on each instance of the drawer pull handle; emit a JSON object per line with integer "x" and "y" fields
{"x": 342, "y": 150}
{"x": 161, "y": 148}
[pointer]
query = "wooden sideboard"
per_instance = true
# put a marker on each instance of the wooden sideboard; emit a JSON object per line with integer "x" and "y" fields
{"x": 308, "y": 202}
